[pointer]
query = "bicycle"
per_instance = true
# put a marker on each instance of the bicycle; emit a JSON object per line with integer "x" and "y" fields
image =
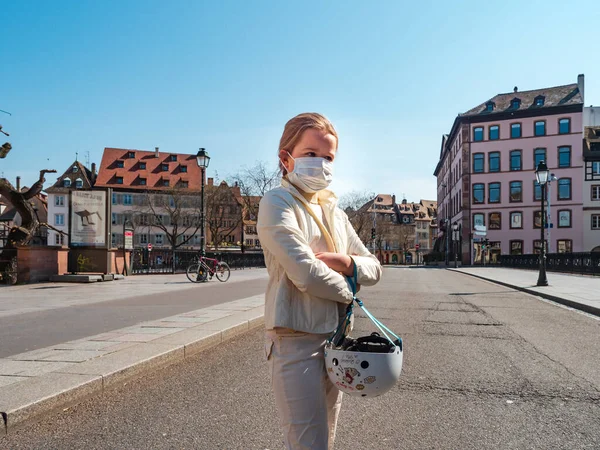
{"x": 205, "y": 268}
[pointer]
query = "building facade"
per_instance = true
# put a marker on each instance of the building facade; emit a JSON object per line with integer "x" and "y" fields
{"x": 486, "y": 173}
{"x": 591, "y": 179}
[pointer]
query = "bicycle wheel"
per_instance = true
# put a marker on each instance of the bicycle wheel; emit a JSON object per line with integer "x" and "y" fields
{"x": 196, "y": 273}
{"x": 222, "y": 271}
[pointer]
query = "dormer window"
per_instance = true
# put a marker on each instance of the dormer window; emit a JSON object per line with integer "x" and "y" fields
{"x": 165, "y": 167}
{"x": 131, "y": 155}
{"x": 66, "y": 182}
{"x": 183, "y": 184}
{"x": 173, "y": 157}
{"x": 142, "y": 166}
{"x": 489, "y": 106}
{"x": 78, "y": 183}
{"x": 165, "y": 182}
{"x": 120, "y": 164}
{"x": 142, "y": 181}
{"x": 516, "y": 103}
{"x": 119, "y": 180}
{"x": 539, "y": 100}
{"x": 75, "y": 169}
{"x": 183, "y": 169}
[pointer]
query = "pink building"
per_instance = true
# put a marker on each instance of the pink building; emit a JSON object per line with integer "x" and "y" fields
{"x": 486, "y": 173}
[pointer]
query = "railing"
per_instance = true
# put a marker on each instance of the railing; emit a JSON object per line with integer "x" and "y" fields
{"x": 165, "y": 261}
{"x": 578, "y": 263}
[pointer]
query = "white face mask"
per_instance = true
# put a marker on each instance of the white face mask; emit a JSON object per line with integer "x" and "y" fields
{"x": 311, "y": 174}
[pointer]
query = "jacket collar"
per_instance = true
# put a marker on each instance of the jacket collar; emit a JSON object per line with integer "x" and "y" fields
{"x": 325, "y": 197}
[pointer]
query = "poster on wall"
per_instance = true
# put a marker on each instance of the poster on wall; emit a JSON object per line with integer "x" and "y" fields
{"x": 88, "y": 218}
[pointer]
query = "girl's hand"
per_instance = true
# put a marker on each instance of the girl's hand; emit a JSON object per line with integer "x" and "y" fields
{"x": 338, "y": 262}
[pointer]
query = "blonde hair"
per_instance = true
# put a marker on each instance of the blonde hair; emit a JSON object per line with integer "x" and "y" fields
{"x": 292, "y": 132}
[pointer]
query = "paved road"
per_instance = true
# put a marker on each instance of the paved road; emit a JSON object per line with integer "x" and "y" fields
{"x": 37, "y": 316}
{"x": 485, "y": 367}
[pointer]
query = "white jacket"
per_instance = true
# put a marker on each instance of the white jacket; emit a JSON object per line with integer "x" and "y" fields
{"x": 303, "y": 293}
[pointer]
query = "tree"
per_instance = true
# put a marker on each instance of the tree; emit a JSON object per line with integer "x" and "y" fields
{"x": 403, "y": 234}
{"x": 175, "y": 211}
{"x": 357, "y": 205}
{"x": 223, "y": 213}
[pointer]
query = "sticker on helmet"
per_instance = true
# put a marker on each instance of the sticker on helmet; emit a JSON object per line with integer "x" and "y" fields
{"x": 360, "y": 387}
{"x": 369, "y": 380}
{"x": 350, "y": 373}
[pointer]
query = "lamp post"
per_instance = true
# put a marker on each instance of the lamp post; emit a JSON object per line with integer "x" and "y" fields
{"x": 541, "y": 174}
{"x": 455, "y": 242}
{"x": 203, "y": 160}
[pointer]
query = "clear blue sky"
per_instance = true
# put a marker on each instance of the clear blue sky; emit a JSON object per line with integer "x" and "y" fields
{"x": 79, "y": 76}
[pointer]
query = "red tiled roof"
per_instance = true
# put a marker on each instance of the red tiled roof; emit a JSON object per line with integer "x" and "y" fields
{"x": 132, "y": 172}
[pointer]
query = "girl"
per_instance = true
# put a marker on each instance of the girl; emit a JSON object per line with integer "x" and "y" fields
{"x": 310, "y": 249}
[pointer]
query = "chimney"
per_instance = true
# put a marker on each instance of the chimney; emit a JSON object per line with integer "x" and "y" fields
{"x": 393, "y": 199}
{"x": 156, "y": 152}
{"x": 516, "y": 89}
{"x": 211, "y": 181}
{"x": 581, "y": 85}
{"x": 93, "y": 180}
{"x": 18, "y": 184}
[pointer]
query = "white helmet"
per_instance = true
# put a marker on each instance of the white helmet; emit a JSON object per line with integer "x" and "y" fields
{"x": 365, "y": 367}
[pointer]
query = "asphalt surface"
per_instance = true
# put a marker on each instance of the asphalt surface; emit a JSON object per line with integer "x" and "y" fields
{"x": 485, "y": 367}
{"x": 41, "y": 328}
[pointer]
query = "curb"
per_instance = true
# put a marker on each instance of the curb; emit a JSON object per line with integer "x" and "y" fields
{"x": 563, "y": 301}
{"x": 45, "y": 394}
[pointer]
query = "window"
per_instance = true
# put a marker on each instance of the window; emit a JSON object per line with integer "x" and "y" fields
{"x": 564, "y": 189}
{"x": 478, "y": 134}
{"x": 159, "y": 239}
{"x": 59, "y": 200}
{"x": 59, "y": 239}
{"x": 495, "y": 221}
{"x": 516, "y": 191}
{"x": 564, "y": 218}
{"x": 494, "y": 161}
{"x": 540, "y": 128}
{"x": 142, "y": 166}
{"x": 66, "y": 182}
{"x": 120, "y": 164}
{"x": 114, "y": 198}
{"x": 127, "y": 199}
{"x": 516, "y": 219}
{"x": 75, "y": 169}
{"x": 595, "y": 221}
{"x": 114, "y": 218}
{"x": 478, "y": 164}
{"x": 564, "y": 126}
{"x": 131, "y": 155}
{"x": 119, "y": 180}
{"x": 489, "y": 106}
{"x": 515, "y": 130}
{"x": 596, "y": 192}
{"x": 173, "y": 157}
{"x": 494, "y": 193}
{"x": 564, "y": 156}
{"x": 142, "y": 182}
{"x": 165, "y": 167}
{"x": 537, "y": 219}
{"x": 539, "y": 100}
{"x": 184, "y": 184}
{"x": 183, "y": 169}
{"x": 494, "y": 133}
{"x": 564, "y": 246}
{"x": 537, "y": 246}
{"x": 478, "y": 193}
{"x": 515, "y": 103}
{"x": 596, "y": 167}
{"x": 516, "y": 247}
{"x": 537, "y": 191}
{"x": 78, "y": 183}
{"x": 539, "y": 155}
{"x": 165, "y": 182}
{"x": 59, "y": 219}
{"x": 478, "y": 220}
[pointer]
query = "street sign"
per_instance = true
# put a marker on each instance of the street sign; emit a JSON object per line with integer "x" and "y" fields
{"x": 417, "y": 247}
{"x": 128, "y": 240}
{"x": 149, "y": 247}
{"x": 480, "y": 228}
{"x": 480, "y": 233}
{"x": 548, "y": 225}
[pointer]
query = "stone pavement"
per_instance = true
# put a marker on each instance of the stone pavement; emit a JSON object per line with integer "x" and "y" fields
{"x": 576, "y": 291}
{"x": 42, "y": 380}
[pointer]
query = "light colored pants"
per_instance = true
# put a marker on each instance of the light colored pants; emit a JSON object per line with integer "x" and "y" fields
{"x": 308, "y": 403}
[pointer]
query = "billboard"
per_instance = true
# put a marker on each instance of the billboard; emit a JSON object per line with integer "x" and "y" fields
{"x": 88, "y": 218}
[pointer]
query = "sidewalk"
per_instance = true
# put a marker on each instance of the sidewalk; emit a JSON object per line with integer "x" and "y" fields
{"x": 575, "y": 291}
{"x": 40, "y": 381}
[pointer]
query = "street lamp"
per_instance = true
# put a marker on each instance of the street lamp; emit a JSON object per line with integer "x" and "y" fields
{"x": 541, "y": 174}
{"x": 455, "y": 242}
{"x": 203, "y": 160}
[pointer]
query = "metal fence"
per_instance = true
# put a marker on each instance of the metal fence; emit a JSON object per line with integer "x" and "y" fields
{"x": 578, "y": 263}
{"x": 167, "y": 261}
